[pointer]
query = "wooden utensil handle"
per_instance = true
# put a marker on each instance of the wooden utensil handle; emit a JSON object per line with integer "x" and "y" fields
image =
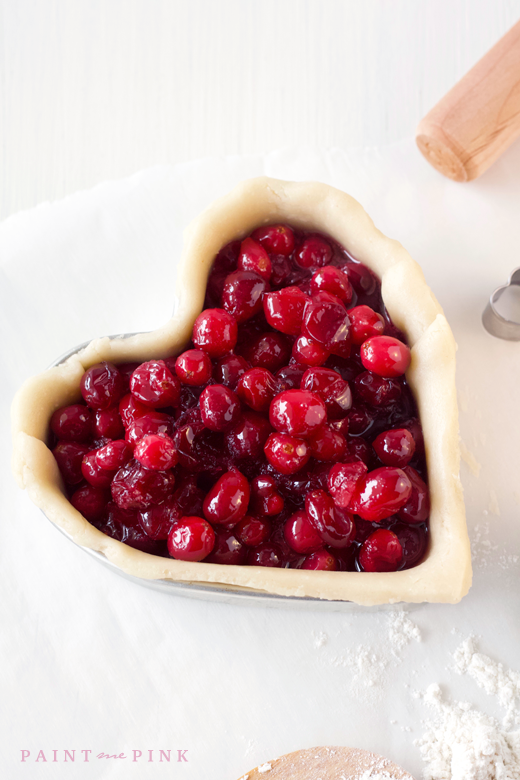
{"x": 479, "y": 118}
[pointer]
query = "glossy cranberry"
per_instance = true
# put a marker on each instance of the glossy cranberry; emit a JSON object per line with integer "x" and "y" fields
{"x": 242, "y": 294}
{"x": 362, "y": 279}
{"x": 342, "y": 481}
{"x": 248, "y": 437}
{"x": 228, "y": 550}
{"x": 326, "y": 321}
{"x": 191, "y": 539}
{"x": 151, "y": 423}
{"x": 257, "y": 388}
{"x": 280, "y": 270}
{"x": 382, "y": 551}
{"x": 385, "y": 356}
{"x": 275, "y": 239}
{"x": 108, "y": 423}
{"x": 265, "y": 498}
{"x": 300, "y": 534}
{"x": 113, "y": 455}
{"x": 254, "y": 258}
{"x": 219, "y": 408}
{"x": 284, "y": 309}
{"x": 266, "y": 554}
{"x": 69, "y": 456}
{"x": 309, "y": 352}
{"x": 413, "y": 540}
{"x": 215, "y": 331}
{"x": 331, "y": 388}
{"x": 376, "y": 390}
{"x": 102, "y": 386}
{"x": 136, "y": 487}
{"x": 153, "y": 384}
{"x": 130, "y": 409}
{"x": 297, "y": 412}
{"x": 286, "y": 453}
{"x": 268, "y": 350}
{"x": 359, "y": 449}
{"x": 72, "y": 423}
{"x": 321, "y": 560}
{"x": 123, "y": 525}
{"x": 360, "y": 419}
{"x": 327, "y": 444}
{"x": 364, "y": 323}
{"x": 94, "y": 473}
{"x": 227, "y": 501}
{"x": 395, "y": 447}
{"x": 90, "y": 501}
{"x": 193, "y": 367}
{"x": 157, "y": 521}
{"x": 314, "y": 253}
{"x": 188, "y": 497}
{"x": 229, "y": 369}
{"x": 289, "y": 377}
{"x": 417, "y": 508}
{"x": 126, "y": 370}
{"x": 414, "y": 426}
{"x": 381, "y": 493}
{"x": 156, "y": 452}
{"x": 252, "y": 531}
{"x": 335, "y": 525}
{"x": 332, "y": 280}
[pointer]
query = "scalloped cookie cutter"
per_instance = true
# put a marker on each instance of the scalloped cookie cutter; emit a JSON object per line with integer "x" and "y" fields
{"x": 494, "y": 322}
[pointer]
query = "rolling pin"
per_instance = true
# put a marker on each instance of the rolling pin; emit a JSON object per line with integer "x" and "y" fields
{"x": 479, "y": 118}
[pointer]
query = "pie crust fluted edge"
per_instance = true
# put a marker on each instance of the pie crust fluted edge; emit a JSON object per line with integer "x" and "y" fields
{"x": 445, "y": 574}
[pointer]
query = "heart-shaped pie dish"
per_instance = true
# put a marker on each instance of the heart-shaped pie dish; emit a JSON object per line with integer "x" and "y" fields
{"x": 267, "y": 437}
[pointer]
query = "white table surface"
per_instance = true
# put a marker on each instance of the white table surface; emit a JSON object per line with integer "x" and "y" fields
{"x": 233, "y": 685}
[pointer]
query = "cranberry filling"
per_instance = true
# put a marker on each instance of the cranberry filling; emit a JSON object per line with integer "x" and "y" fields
{"x": 285, "y": 434}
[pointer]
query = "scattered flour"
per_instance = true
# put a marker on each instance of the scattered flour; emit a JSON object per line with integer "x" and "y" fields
{"x": 401, "y": 630}
{"x": 320, "y": 639}
{"x": 264, "y": 768}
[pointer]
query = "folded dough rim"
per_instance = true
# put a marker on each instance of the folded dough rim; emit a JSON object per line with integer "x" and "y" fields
{"x": 445, "y": 573}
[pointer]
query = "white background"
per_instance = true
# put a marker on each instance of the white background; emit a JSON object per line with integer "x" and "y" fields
{"x": 98, "y": 90}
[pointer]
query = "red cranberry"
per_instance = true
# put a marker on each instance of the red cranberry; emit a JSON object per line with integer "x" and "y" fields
{"x": 381, "y": 493}
{"x": 157, "y": 521}
{"x": 341, "y": 426}
{"x": 265, "y": 498}
{"x": 377, "y": 391}
{"x": 69, "y": 456}
{"x": 289, "y": 377}
{"x": 135, "y": 487}
{"x": 108, "y": 423}
{"x": 380, "y": 552}
{"x": 102, "y": 386}
{"x": 364, "y": 323}
{"x": 252, "y": 531}
{"x": 156, "y": 452}
{"x": 395, "y": 447}
{"x": 362, "y": 279}
{"x": 385, "y": 356}
{"x": 414, "y": 426}
{"x": 332, "y": 280}
{"x": 335, "y": 526}
{"x": 193, "y": 367}
{"x": 309, "y": 352}
{"x": 266, "y": 554}
{"x": 191, "y": 539}
{"x": 113, "y": 455}
{"x": 228, "y": 550}
{"x": 280, "y": 270}
{"x": 275, "y": 239}
{"x": 227, "y": 501}
{"x": 72, "y": 423}
{"x": 242, "y": 294}
{"x": 215, "y": 331}
{"x": 284, "y": 309}
{"x": 417, "y": 508}
{"x": 257, "y": 388}
{"x": 360, "y": 419}
{"x": 126, "y": 370}
{"x": 187, "y": 498}
{"x": 286, "y": 453}
{"x": 413, "y": 540}
{"x": 123, "y": 525}
{"x": 314, "y": 253}
{"x": 297, "y": 412}
{"x": 326, "y": 321}
{"x": 321, "y": 560}
{"x": 248, "y": 437}
{"x": 90, "y": 501}
{"x": 229, "y": 369}
{"x": 342, "y": 481}
{"x": 300, "y": 534}
{"x": 327, "y": 444}
{"x": 154, "y": 385}
{"x": 360, "y": 449}
{"x": 255, "y": 259}
{"x": 152, "y": 423}
{"x": 94, "y": 473}
{"x": 268, "y": 350}
{"x": 219, "y": 408}
{"x": 130, "y": 409}
{"x": 331, "y": 388}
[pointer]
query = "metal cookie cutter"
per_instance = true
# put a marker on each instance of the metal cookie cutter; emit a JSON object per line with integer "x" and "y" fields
{"x": 493, "y": 321}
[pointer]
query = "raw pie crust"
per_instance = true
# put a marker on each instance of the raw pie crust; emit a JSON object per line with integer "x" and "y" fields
{"x": 445, "y": 573}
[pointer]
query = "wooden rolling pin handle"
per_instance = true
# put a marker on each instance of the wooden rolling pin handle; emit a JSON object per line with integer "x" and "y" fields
{"x": 479, "y": 118}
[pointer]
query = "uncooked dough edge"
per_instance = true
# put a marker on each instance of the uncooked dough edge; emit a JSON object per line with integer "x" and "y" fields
{"x": 445, "y": 574}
